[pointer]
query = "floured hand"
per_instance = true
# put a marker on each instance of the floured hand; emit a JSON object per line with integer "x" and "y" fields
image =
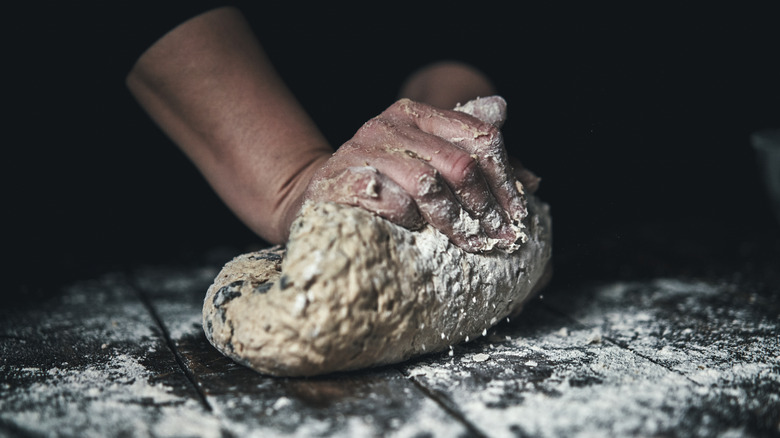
{"x": 415, "y": 164}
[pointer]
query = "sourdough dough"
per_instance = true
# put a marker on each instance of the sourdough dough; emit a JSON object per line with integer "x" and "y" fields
{"x": 353, "y": 290}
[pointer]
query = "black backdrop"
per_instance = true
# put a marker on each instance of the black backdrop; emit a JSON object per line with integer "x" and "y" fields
{"x": 630, "y": 115}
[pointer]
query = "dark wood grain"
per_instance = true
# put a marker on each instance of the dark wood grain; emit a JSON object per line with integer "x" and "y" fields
{"x": 680, "y": 337}
{"x": 91, "y": 360}
{"x": 377, "y": 402}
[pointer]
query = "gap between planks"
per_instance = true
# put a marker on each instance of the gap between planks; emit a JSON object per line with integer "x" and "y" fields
{"x": 436, "y": 398}
{"x": 171, "y": 345}
{"x": 613, "y": 342}
{"x": 193, "y": 380}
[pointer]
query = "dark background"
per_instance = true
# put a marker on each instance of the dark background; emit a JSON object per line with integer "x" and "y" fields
{"x": 631, "y": 116}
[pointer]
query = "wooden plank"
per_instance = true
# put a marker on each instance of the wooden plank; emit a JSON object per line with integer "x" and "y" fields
{"x": 723, "y": 337}
{"x": 90, "y": 361}
{"x": 651, "y": 357}
{"x": 548, "y": 374}
{"x": 379, "y": 402}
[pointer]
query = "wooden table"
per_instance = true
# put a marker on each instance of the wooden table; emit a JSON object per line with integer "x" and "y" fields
{"x": 646, "y": 332}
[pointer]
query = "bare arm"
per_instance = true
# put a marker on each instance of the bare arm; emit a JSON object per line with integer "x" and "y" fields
{"x": 210, "y": 87}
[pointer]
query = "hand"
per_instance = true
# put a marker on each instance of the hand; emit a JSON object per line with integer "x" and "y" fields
{"x": 415, "y": 164}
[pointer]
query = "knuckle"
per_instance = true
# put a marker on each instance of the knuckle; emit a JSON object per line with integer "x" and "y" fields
{"x": 463, "y": 170}
{"x": 491, "y": 141}
{"x": 348, "y": 148}
{"x": 491, "y": 129}
{"x": 427, "y": 183}
{"x": 369, "y": 127}
{"x": 488, "y": 133}
{"x": 402, "y": 102}
{"x": 376, "y": 127}
{"x": 398, "y": 107}
{"x": 406, "y": 109}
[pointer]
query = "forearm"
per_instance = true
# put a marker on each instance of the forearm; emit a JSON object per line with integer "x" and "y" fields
{"x": 211, "y": 88}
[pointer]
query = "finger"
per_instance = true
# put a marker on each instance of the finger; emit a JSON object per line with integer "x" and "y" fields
{"x": 484, "y": 140}
{"x": 457, "y": 168}
{"x": 365, "y": 187}
{"x": 454, "y": 126}
{"x": 435, "y": 201}
{"x": 477, "y": 137}
{"x": 529, "y": 179}
{"x": 506, "y": 187}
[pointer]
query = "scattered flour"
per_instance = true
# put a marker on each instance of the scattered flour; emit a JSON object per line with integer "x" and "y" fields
{"x": 115, "y": 399}
{"x": 627, "y": 366}
{"x": 615, "y": 373}
{"x": 481, "y": 357}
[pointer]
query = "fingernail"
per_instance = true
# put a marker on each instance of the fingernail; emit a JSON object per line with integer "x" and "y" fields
{"x": 370, "y": 189}
{"x": 517, "y": 209}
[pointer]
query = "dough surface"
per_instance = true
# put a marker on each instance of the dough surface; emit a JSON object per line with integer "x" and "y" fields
{"x": 353, "y": 290}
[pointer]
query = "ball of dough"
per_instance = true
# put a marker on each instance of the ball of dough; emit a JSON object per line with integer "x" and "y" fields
{"x": 352, "y": 290}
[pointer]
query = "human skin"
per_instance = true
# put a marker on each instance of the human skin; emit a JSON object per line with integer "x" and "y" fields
{"x": 211, "y": 88}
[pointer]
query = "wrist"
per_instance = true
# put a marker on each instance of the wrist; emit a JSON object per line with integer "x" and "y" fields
{"x": 291, "y": 199}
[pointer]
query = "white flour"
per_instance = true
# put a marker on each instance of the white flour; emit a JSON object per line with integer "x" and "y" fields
{"x": 561, "y": 383}
{"x": 102, "y": 400}
{"x": 625, "y": 366}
